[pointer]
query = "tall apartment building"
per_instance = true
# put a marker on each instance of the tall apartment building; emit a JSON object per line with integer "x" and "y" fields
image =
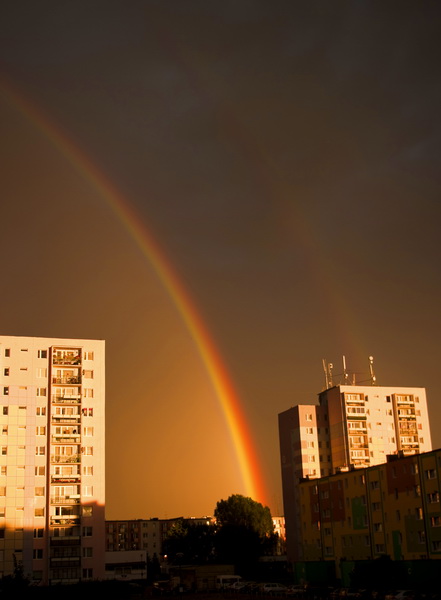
{"x": 52, "y": 461}
{"x": 352, "y": 427}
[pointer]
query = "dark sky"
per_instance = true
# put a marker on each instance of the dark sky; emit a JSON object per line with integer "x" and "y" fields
{"x": 285, "y": 155}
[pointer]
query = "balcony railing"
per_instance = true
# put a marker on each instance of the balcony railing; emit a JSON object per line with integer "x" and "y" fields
{"x": 66, "y": 438}
{"x": 66, "y": 418}
{"x": 66, "y": 360}
{"x": 65, "y": 478}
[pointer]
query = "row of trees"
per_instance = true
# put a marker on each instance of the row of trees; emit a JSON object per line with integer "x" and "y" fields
{"x": 243, "y": 531}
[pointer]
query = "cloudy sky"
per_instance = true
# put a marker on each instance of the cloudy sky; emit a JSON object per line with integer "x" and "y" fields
{"x": 285, "y": 156}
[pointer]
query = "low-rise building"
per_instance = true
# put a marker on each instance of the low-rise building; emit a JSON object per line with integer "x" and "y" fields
{"x": 391, "y": 509}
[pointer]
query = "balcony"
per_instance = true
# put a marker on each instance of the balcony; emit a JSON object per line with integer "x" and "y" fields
{"x": 66, "y": 360}
{"x": 74, "y": 499}
{"x": 66, "y": 562}
{"x": 73, "y": 458}
{"x": 66, "y": 419}
{"x": 72, "y": 380}
{"x": 65, "y": 520}
{"x": 73, "y": 399}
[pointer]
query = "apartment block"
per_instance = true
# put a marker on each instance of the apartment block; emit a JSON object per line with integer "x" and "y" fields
{"x": 52, "y": 459}
{"x": 388, "y": 509}
{"x": 351, "y": 427}
{"x": 143, "y": 534}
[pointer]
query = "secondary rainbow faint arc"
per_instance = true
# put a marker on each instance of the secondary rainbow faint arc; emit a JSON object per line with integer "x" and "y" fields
{"x": 235, "y": 418}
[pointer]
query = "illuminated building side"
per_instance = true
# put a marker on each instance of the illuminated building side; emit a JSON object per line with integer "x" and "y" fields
{"x": 52, "y": 480}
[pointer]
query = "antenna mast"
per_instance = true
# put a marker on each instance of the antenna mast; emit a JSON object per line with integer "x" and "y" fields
{"x": 345, "y": 373}
{"x": 325, "y": 369}
{"x": 371, "y": 370}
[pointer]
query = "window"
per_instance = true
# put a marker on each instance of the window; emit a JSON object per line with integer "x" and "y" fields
{"x": 41, "y": 430}
{"x": 435, "y": 521}
{"x": 379, "y": 548}
{"x": 308, "y": 417}
{"x": 42, "y": 354}
{"x": 6, "y": 410}
{"x": 39, "y": 491}
{"x": 436, "y": 545}
{"x": 40, "y": 470}
{"x": 37, "y": 553}
{"x": 378, "y": 527}
{"x": 87, "y": 490}
{"x": 432, "y": 497}
{"x": 38, "y": 533}
{"x": 40, "y": 411}
{"x": 88, "y": 355}
{"x": 41, "y": 372}
{"x": 7, "y": 352}
{"x": 88, "y": 393}
{"x": 87, "y": 511}
{"x": 87, "y": 552}
{"x": 88, "y": 450}
{"x": 87, "y": 573}
{"x": 4, "y": 450}
{"x": 40, "y": 450}
{"x": 419, "y": 513}
{"x": 87, "y": 531}
{"x": 88, "y": 431}
{"x": 2, "y": 490}
{"x": 6, "y": 371}
{"x": 39, "y": 512}
{"x": 3, "y": 470}
{"x": 88, "y": 374}
{"x": 89, "y": 471}
{"x": 375, "y": 485}
{"x": 430, "y": 474}
{"x": 5, "y": 392}
{"x": 5, "y": 430}
{"x": 41, "y": 391}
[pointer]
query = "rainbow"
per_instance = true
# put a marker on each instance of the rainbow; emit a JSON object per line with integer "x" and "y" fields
{"x": 236, "y": 421}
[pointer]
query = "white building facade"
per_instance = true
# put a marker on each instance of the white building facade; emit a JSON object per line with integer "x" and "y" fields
{"x": 52, "y": 460}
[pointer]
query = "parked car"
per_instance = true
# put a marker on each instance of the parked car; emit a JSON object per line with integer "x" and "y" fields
{"x": 273, "y": 588}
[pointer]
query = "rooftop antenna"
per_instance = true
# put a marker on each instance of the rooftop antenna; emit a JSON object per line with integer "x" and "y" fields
{"x": 325, "y": 369}
{"x": 330, "y": 367}
{"x": 345, "y": 373}
{"x": 371, "y": 370}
